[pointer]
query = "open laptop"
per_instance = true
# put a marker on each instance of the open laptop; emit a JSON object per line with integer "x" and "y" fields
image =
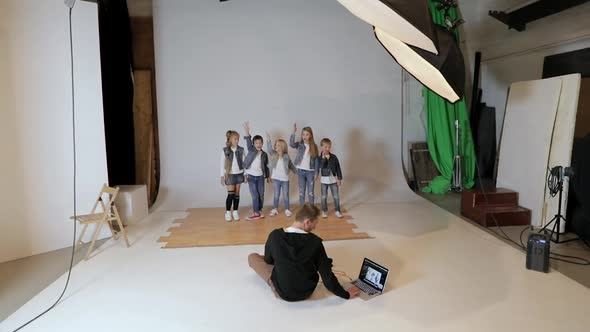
{"x": 371, "y": 279}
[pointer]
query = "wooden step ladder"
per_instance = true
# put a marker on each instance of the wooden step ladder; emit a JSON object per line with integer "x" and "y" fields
{"x": 501, "y": 204}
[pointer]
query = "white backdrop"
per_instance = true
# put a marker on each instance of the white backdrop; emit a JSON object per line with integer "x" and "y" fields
{"x": 562, "y": 141}
{"x": 526, "y": 141}
{"x": 35, "y": 125}
{"x": 273, "y": 62}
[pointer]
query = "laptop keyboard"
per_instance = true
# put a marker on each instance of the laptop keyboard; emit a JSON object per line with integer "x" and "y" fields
{"x": 364, "y": 287}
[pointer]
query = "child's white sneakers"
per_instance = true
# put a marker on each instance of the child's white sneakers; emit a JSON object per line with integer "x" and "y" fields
{"x": 274, "y": 212}
{"x": 227, "y": 215}
{"x": 236, "y": 216}
{"x": 324, "y": 214}
{"x": 338, "y": 214}
{"x": 288, "y": 213}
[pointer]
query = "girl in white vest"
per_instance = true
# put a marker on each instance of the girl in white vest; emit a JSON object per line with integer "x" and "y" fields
{"x": 232, "y": 173}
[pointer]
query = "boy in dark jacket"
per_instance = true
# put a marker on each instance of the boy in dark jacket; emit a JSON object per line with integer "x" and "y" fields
{"x": 256, "y": 166}
{"x": 331, "y": 177}
{"x": 293, "y": 257}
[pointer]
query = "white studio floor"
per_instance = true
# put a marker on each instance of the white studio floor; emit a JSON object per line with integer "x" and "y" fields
{"x": 446, "y": 275}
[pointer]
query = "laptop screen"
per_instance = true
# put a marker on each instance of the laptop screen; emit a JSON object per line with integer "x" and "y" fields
{"x": 373, "y": 274}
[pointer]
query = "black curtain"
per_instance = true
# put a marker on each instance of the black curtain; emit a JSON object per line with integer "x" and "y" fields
{"x": 578, "y": 210}
{"x": 117, "y": 90}
{"x": 567, "y": 63}
{"x": 486, "y": 141}
{"x": 483, "y": 119}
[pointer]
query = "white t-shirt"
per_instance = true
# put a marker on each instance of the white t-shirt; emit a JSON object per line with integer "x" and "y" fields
{"x": 256, "y": 167}
{"x": 235, "y": 169}
{"x": 279, "y": 172}
{"x": 328, "y": 179}
{"x": 294, "y": 230}
{"x": 306, "y": 159}
{"x": 331, "y": 179}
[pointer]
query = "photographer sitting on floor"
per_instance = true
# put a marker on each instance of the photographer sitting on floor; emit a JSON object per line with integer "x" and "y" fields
{"x": 293, "y": 257}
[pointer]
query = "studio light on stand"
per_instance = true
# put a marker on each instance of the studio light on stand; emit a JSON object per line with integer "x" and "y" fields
{"x": 539, "y": 244}
{"x": 452, "y": 25}
{"x": 429, "y": 52}
{"x": 557, "y": 176}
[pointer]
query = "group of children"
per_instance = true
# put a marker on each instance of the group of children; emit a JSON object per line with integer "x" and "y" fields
{"x": 255, "y": 166}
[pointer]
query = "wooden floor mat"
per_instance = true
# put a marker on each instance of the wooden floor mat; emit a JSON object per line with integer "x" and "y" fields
{"x": 206, "y": 227}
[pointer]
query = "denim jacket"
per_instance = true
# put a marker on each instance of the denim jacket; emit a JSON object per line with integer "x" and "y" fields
{"x": 287, "y": 163}
{"x": 229, "y": 156}
{"x": 330, "y": 166}
{"x": 252, "y": 152}
{"x": 314, "y": 162}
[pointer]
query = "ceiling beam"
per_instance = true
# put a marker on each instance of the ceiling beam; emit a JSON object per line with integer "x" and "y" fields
{"x": 519, "y": 18}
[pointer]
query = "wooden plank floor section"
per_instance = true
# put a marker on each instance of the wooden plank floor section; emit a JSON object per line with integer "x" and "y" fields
{"x": 206, "y": 227}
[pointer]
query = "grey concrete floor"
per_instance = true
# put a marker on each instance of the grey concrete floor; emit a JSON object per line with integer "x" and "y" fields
{"x": 452, "y": 203}
{"x": 22, "y": 279}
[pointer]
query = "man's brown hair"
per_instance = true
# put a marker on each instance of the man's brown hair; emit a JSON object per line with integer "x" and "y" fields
{"x": 307, "y": 211}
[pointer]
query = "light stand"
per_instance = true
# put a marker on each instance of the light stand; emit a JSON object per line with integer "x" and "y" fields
{"x": 558, "y": 174}
{"x": 457, "y": 184}
{"x": 452, "y": 25}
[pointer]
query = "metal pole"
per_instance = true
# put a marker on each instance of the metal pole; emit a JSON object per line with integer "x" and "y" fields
{"x": 457, "y": 184}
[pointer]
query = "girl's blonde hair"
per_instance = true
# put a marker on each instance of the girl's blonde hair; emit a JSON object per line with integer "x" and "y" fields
{"x": 228, "y": 135}
{"x": 313, "y": 148}
{"x": 284, "y": 149}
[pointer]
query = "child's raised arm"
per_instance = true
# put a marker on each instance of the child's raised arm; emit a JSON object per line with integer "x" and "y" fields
{"x": 292, "y": 142}
{"x": 247, "y": 137}
{"x": 269, "y": 146}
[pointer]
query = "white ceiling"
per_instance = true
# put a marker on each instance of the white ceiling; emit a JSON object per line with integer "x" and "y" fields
{"x": 478, "y": 23}
{"x": 484, "y": 33}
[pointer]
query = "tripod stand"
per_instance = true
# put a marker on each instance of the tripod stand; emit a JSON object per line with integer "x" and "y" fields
{"x": 556, "y": 221}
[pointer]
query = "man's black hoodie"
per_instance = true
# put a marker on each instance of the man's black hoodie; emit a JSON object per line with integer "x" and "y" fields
{"x": 297, "y": 259}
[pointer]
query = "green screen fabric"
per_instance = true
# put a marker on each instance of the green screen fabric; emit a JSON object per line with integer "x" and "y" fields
{"x": 441, "y": 116}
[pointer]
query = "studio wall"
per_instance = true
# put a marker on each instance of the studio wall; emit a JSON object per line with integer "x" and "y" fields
{"x": 497, "y": 75}
{"x": 36, "y": 172}
{"x": 273, "y": 62}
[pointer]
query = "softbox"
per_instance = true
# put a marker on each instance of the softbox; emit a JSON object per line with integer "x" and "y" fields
{"x": 443, "y": 73}
{"x": 406, "y": 20}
